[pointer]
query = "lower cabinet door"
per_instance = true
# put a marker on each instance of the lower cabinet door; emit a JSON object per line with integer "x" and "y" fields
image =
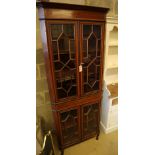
{"x": 90, "y": 120}
{"x": 70, "y": 126}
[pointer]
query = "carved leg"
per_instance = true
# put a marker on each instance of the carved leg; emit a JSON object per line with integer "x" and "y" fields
{"x": 97, "y": 136}
{"x": 62, "y": 151}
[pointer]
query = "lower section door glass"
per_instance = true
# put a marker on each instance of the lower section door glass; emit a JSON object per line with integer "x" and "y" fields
{"x": 70, "y": 126}
{"x": 90, "y": 116}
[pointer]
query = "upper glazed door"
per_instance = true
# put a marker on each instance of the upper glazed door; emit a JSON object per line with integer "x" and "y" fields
{"x": 63, "y": 47}
{"x": 91, "y": 56}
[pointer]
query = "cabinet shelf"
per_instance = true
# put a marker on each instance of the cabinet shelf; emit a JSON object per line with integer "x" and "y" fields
{"x": 90, "y": 51}
{"x": 89, "y": 120}
{"x": 71, "y": 138}
{"x": 90, "y": 128}
{"x": 64, "y": 52}
{"x": 67, "y": 127}
{"x": 66, "y": 79}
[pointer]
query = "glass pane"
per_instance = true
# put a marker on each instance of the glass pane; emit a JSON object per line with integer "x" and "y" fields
{"x": 90, "y": 119}
{"x": 68, "y": 30}
{"x": 63, "y": 43}
{"x": 97, "y": 31}
{"x": 91, "y": 57}
{"x": 70, "y": 126}
{"x": 58, "y": 65}
{"x": 64, "y": 58}
{"x": 56, "y": 31}
{"x": 92, "y": 43}
{"x": 72, "y": 45}
{"x": 85, "y": 48}
{"x": 55, "y": 47}
{"x": 98, "y": 47}
{"x": 98, "y": 72}
{"x": 87, "y": 29}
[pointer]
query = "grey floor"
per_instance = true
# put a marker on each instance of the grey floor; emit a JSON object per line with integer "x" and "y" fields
{"x": 106, "y": 145}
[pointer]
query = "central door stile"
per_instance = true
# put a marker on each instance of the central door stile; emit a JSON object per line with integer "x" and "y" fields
{"x": 77, "y": 56}
{"x": 80, "y": 57}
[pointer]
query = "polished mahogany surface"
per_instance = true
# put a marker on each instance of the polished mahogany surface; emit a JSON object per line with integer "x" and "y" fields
{"x": 73, "y": 42}
{"x": 45, "y": 4}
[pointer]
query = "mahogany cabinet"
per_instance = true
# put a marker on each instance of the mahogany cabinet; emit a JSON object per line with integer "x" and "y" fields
{"x": 73, "y": 42}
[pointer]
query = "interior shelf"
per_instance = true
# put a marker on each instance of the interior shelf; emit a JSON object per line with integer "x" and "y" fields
{"x": 69, "y": 126}
{"x": 66, "y": 79}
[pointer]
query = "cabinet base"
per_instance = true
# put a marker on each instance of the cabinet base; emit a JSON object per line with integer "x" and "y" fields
{"x": 62, "y": 149}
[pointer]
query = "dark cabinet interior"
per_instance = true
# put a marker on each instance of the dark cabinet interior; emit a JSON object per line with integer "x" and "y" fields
{"x": 63, "y": 41}
{"x": 90, "y": 120}
{"x": 91, "y": 55}
{"x": 64, "y": 59}
{"x": 70, "y": 126}
{"x": 73, "y": 42}
{"x": 74, "y": 129}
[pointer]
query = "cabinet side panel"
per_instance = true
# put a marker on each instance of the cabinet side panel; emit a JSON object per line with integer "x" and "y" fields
{"x": 47, "y": 61}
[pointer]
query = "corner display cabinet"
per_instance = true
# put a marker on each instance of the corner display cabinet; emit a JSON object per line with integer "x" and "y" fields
{"x": 73, "y": 43}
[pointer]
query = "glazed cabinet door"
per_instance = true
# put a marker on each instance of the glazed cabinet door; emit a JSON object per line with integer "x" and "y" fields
{"x": 90, "y": 120}
{"x": 91, "y": 51}
{"x": 64, "y": 58}
{"x": 70, "y": 126}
